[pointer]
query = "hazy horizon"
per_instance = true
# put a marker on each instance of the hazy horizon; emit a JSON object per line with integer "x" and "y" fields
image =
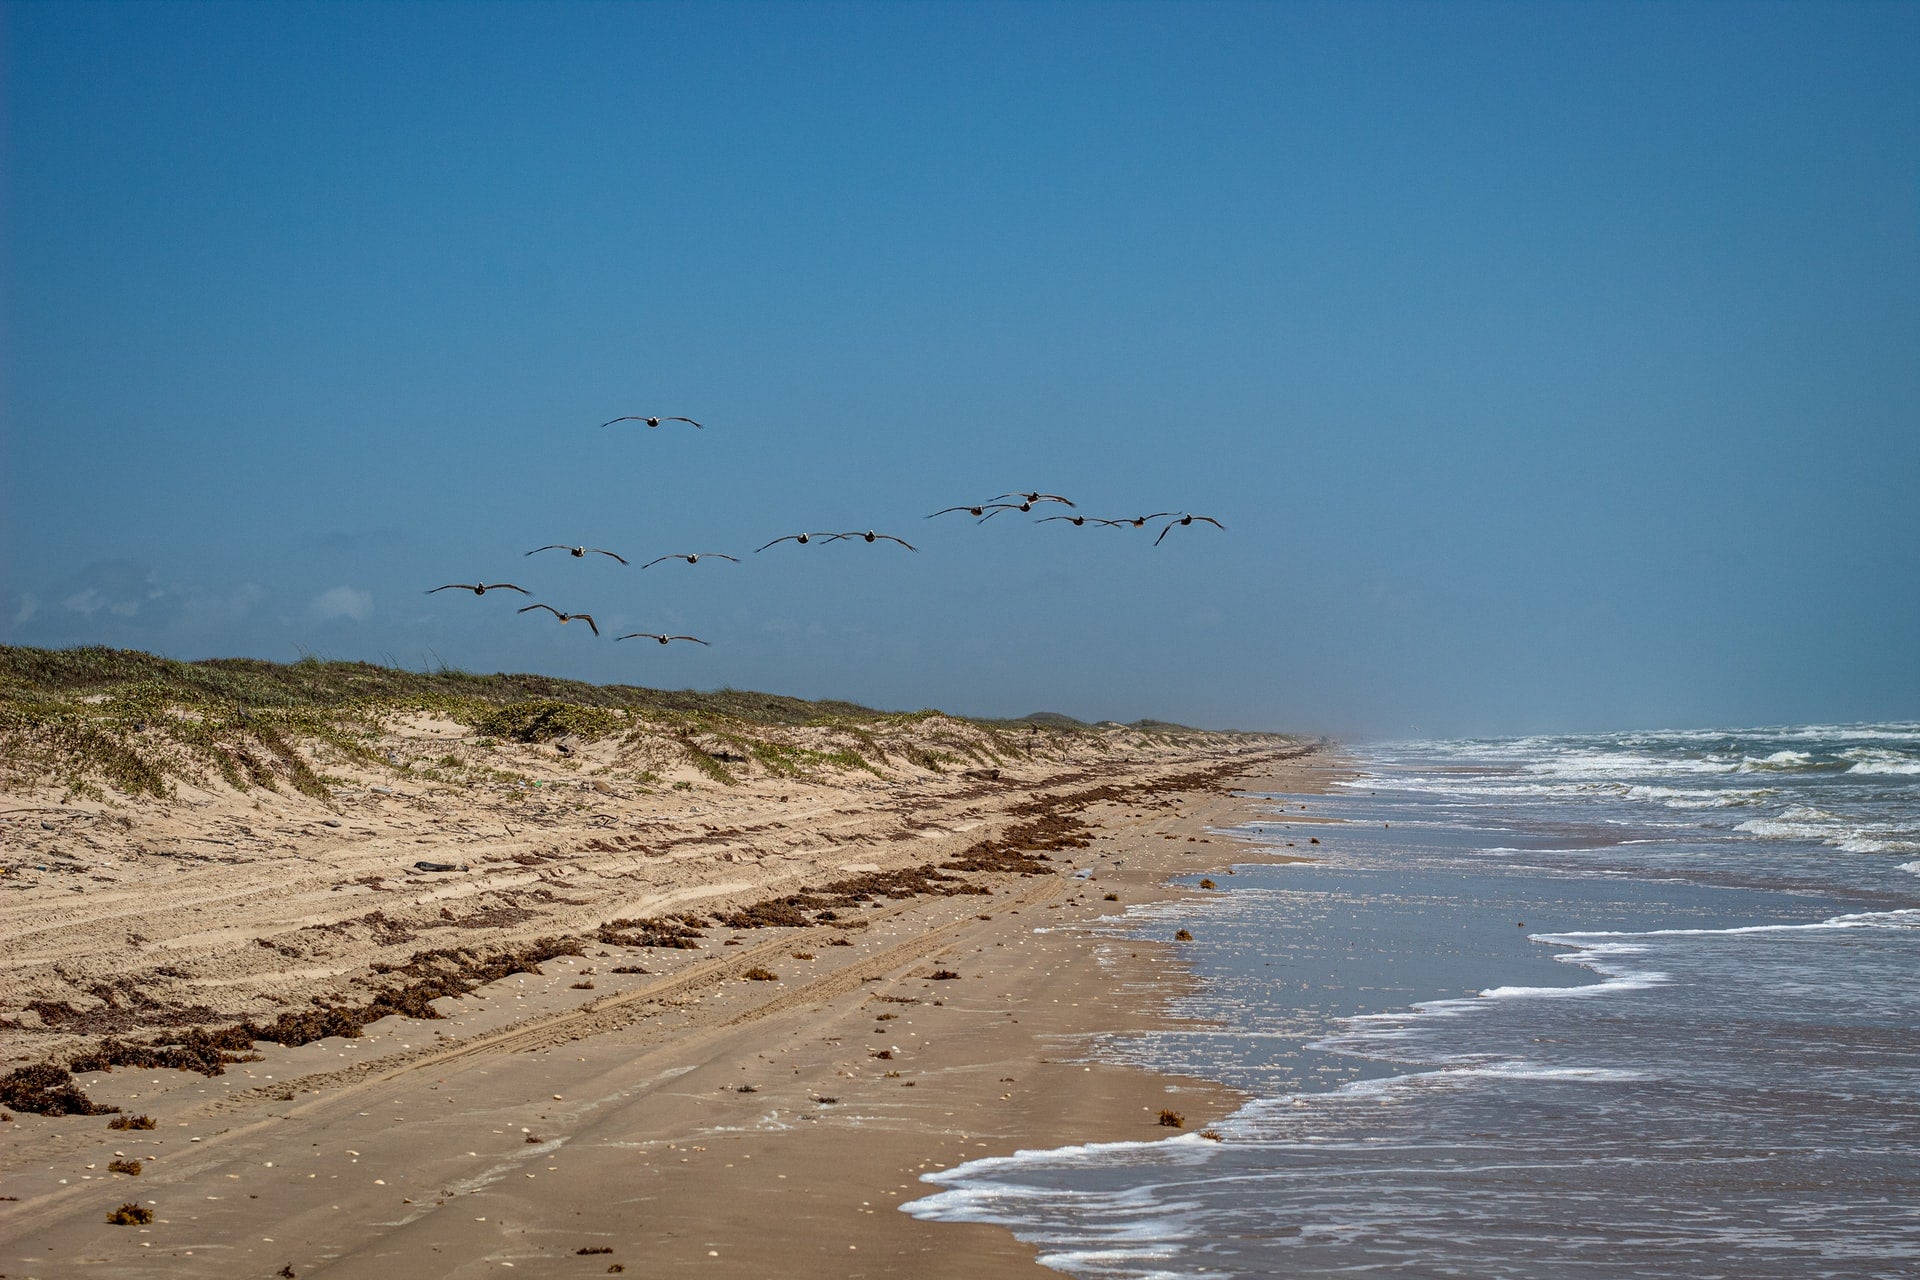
{"x": 1553, "y": 368}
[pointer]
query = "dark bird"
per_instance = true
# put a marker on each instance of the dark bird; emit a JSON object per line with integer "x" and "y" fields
{"x": 564, "y": 617}
{"x": 1186, "y": 520}
{"x": 652, "y": 422}
{"x": 655, "y": 635}
{"x": 695, "y": 558}
{"x": 871, "y": 536}
{"x": 1077, "y": 521}
{"x": 1138, "y": 521}
{"x": 481, "y": 588}
{"x": 974, "y": 511}
{"x": 1028, "y": 499}
{"x": 801, "y": 538}
{"x": 575, "y": 552}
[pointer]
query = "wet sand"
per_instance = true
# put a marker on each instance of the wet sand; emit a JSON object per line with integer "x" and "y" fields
{"x": 685, "y": 1118}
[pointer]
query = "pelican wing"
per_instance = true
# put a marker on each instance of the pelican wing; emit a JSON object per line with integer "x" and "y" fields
{"x": 887, "y": 537}
{"x": 551, "y": 546}
{"x": 549, "y": 608}
{"x": 695, "y": 639}
{"x": 631, "y": 417}
{"x": 507, "y": 586}
{"x": 649, "y": 564}
{"x": 584, "y": 617}
{"x": 792, "y": 537}
{"x": 464, "y": 586}
{"x": 689, "y": 421}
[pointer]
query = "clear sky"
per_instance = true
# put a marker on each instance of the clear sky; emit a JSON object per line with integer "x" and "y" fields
{"x": 1551, "y": 366}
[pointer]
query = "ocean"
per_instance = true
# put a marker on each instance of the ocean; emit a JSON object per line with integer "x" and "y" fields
{"x": 1631, "y": 1004}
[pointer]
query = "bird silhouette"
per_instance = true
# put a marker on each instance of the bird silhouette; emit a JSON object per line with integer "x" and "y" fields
{"x": 481, "y": 588}
{"x": 1137, "y": 521}
{"x": 564, "y": 617}
{"x": 871, "y": 536}
{"x": 1028, "y": 499}
{"x": 1186, "y": 520}
{"x": 801, "y": 538}
{"x": 694, "y": 558}
{"x": 655, "y": 635}
{"x": 974, "y": 511}
{"x": 576, "y": 552}
{"x": 1077, "y": 521}
{"x": 652, "y": 422}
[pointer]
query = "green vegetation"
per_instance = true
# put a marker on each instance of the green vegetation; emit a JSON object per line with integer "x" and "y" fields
{"x": 97, "y": 720}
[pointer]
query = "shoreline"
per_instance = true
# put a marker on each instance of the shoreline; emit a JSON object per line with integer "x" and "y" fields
{"x": 684, "y": 1116}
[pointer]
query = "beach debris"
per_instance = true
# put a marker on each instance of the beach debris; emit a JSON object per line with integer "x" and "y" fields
{"x": 131, "y": 1122}
{"x": 131, "y": 1215}
{"x": 286, "y": 1272}
{"x": 1183, "y": 521}
{"x": 585, "y": 1250}
{"x": 655, "y": 635}
{"x": 692, "y": 558}
{"x": 1172, "y": 1119}
{"x": 1183, "y": 936}
{"x": 564, "y": 617}
{"x": 578, "y": 553}
{"x": 481, "y": 588}
{"x": 1207, "y": 884}
{"x": 653, "y": 421}
{"x": 47, "y": 1090}
{"x": 981, "y": 775}
{"x": 942, "y": 975}
{"x": 129, "y": 1167}
{"x": 1112, "y": 897}
{"x": 759, "y": 973}
{"x": 585, "y": 984}
{"x": 1212, "y": 1135}
{"x": 440, "y": 866}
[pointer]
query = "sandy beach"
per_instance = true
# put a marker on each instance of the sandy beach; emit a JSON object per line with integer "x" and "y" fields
{"x": 758, "y": 1101}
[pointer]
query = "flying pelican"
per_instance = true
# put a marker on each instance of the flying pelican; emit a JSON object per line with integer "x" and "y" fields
{"x": 1185, "y": 520}
{"x": 801, "y": 538}
{"x": 1028, "y": 499}
{"x": 871, "y": 536}
{"x": 564, "y": 617}
{"x": 481, "y": 588}
{"x": 575, "y": 552}
{"x": 1138, "y": 521}
{"x": 655, "y": 635}
{"x": 1077, "y": 521}
{"x": 695, "y": 558}
{"x": 974, "y": 511}
{"x": 652, "y": 422}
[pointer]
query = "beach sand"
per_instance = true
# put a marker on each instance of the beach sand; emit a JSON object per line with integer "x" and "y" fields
{"x": 685, "y": 1118}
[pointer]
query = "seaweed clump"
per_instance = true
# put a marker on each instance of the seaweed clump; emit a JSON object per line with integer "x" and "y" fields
{"x": 46, "y": 1090}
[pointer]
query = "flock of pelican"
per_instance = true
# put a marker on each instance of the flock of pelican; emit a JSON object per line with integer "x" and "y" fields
{"x": 982, "y": 512}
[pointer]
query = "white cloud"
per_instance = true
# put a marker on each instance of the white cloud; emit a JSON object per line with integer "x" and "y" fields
{"x": 29, "y": 606}
{"x": 344, "y": 602}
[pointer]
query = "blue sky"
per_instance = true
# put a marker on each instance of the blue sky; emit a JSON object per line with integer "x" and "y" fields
{"x": 1551, "y": 366}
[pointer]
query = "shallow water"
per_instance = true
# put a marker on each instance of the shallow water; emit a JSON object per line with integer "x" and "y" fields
{"x": 1633, "y": 1004}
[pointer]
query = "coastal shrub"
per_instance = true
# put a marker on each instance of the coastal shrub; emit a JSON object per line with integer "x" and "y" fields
{"x": 131, "y": 1215}
{"x": 544, "y": 719}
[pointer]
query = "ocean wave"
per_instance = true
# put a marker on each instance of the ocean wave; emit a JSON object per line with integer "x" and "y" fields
{"x": 1911, "y": 868}
{"x": 1880, "y": 762}
{"x": 1900, "y": 918}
